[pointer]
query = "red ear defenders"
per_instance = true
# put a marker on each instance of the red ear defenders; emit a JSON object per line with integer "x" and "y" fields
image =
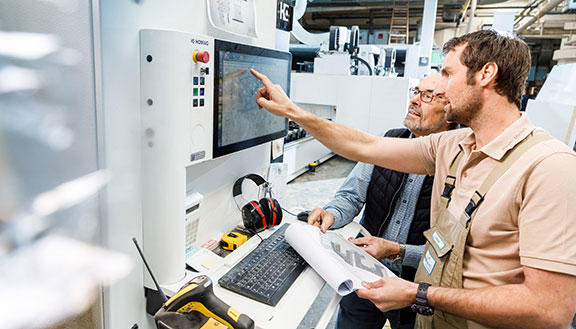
{"x": 258, "y": 215}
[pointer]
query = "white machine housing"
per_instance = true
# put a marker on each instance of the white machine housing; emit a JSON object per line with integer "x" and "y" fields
{"x": 554, "y": 109}
{"x": 372, "y": 104}
{"x": 119, "y": 80}
{"x": 176, "y": 112}
{"x": 173, "y": 81}
{"x": 178, "y": 95}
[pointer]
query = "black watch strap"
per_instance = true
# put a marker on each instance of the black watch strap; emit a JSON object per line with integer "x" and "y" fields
{"x": 421, "y": 305}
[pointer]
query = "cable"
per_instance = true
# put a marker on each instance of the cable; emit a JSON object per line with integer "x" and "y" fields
{"x": 288, "y": 212}
{"x": 256, "y": 234}
{"x": 237, "y": 206}
{"x": 363, "y": 61}
{"x": 268, "y": 190}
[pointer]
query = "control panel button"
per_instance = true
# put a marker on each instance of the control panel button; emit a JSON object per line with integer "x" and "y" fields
{"x": 195, "y": 102}
{"x": 195, "y": 92}
{"x": 201, "y": 101}
{"x": 201, "y": 91}
{"x": 202, "y": 80}
{"x": 200, "y": 56}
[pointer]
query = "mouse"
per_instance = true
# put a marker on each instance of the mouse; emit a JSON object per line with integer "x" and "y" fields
{"x": 303, "y": 216}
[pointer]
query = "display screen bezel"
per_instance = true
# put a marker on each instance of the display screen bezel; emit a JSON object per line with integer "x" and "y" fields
{"x": 221, "y": 45}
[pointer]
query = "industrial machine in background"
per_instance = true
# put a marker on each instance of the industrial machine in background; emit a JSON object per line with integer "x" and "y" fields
{"x": 372, "y": 104}
{"x": 342, "y": 54}
{"x": 353, "y": 84}
{"x": 554, "y": 109}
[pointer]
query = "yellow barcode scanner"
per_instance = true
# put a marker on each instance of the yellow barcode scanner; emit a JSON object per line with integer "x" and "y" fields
{"x": 198, "y": 295}
{"x": 232, "y": 240}
{"x": 195, "y": 306}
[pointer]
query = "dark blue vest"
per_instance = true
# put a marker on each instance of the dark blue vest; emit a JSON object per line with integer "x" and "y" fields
{"x": 383, "y": 192}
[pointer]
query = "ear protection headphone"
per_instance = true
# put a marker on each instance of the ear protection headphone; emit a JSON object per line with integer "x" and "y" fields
{"x": 258, "y": 215}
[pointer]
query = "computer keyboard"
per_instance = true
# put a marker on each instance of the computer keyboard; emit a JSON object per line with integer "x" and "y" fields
{"x": 267, "y": 272}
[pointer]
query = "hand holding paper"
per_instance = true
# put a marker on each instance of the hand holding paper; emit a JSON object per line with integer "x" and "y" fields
{"x": 338, "y": 261}
{"x": 389, "y": 293}
{"x": 378, "y": 248}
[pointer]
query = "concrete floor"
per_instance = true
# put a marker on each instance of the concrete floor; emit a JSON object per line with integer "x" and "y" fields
{"x": 308, "y": 191}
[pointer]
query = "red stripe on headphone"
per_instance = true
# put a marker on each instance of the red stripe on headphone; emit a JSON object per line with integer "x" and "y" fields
{"x": 260, "y": 212}
{"x": 273, "y": 212}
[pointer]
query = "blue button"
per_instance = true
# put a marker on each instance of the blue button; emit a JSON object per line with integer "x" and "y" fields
{"x": 196, "y": 80}
{"x": 202, "y": 80}
{"x": 195, "y": 102}
{"x": 201, "y": 101}
{"x": 201, "y": 91}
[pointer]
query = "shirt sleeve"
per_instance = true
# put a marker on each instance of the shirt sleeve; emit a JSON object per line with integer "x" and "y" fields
{"x": 426, "y": 151}
{"x": 413, "y": 255}
{"x": 350, "y": 198}
{"x": 547, "y": 218}
{"x": 439, "y": 146}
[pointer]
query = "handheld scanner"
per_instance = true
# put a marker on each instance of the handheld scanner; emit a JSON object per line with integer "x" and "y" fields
{"x": 198, "y": 295}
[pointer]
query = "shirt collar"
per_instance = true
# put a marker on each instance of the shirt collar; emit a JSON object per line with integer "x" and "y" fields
{"x": 504, "y": 142}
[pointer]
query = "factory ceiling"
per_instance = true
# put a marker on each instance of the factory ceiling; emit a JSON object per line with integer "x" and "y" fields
{"x": 535, "y": 18}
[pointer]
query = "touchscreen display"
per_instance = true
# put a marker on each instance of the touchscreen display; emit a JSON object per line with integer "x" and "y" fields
{"x": 239, "y": 123}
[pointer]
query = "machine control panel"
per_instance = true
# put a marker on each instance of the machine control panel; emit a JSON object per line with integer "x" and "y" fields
{"x": 177, "y": 76}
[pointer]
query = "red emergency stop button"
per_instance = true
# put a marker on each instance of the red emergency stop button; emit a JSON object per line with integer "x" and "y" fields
{"x": 200, "y": 56}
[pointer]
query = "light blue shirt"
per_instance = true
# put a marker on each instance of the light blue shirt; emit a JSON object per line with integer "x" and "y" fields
{"x": 351, "y": 197}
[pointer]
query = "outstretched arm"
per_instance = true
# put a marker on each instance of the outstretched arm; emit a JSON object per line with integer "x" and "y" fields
{"x": 393, "y": 153}
{"x": 544, "y": 300}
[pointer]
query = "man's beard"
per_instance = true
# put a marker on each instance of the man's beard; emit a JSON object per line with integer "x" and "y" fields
{"x": 415, "y": 124}
{"x": 410, "y": 122}
{"x": 467, "y": 112}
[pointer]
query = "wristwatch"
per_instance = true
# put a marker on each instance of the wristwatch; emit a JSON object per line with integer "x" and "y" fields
{"x": 400, "y": 256}
{"x": 421, "y": 305}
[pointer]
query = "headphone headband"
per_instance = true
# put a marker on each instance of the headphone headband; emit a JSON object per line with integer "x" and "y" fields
{"x": 237, "y": 189}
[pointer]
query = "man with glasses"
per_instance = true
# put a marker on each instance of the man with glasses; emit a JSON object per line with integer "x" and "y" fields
{"x": 397, "y": 211}
{"x": 500, "y": 252}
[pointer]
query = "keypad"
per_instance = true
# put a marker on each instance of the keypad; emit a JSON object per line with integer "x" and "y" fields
{"x": 198, "y": 93}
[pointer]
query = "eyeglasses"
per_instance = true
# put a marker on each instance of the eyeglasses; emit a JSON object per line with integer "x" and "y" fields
{"x": 426, "y": 96}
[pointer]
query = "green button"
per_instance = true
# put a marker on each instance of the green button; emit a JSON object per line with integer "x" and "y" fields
{"x": 195, "y": 92}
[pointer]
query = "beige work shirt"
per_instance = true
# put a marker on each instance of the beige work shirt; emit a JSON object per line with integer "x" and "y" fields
{"x": 528, "y": 218}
